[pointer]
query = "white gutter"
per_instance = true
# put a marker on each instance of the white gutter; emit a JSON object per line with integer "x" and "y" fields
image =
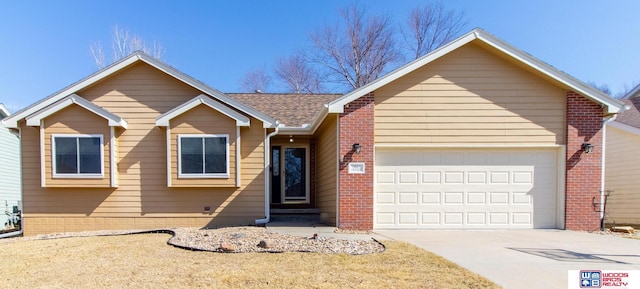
{"x": 605, "y": 121}
{"x": 267, "y": 175}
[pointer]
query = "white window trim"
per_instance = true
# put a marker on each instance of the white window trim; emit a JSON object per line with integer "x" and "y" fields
{"x": 202, "y": 176}
{"x": 77, "y": 175}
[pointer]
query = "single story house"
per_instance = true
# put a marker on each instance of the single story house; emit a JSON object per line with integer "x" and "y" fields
{"x": 9, "y": 175}
{"x": 623, "y": 163}
{"x": 474, "y": 135}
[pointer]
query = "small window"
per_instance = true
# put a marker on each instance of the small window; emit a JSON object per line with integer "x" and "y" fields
{"x": 203, "y": 156}
{"x": 77, "y": 155}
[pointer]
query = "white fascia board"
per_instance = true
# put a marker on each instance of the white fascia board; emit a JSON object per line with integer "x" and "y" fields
{"x": 12, "y": 121}
{"x": 114, "y": 120}
{"x": 633, "y": 93}
{"x": 613, "y": 105}
{"x": 163, "y": 120}
{"x": 319, "y": 119}
{"x": 4, "y": 112}
{"x": 294, "y": 131}
{"x": 624, "y": 127}
{"x": 337, "y": 105}
{"x": 268, "y": 122}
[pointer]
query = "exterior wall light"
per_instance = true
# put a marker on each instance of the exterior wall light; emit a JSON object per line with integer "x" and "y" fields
{"x": 357, "y": 148}
{"x": 587, "y": 147}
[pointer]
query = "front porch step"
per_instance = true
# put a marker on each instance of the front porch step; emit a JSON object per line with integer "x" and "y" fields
{"x": 295, "y": 211}
{"x": 300, "y": 216}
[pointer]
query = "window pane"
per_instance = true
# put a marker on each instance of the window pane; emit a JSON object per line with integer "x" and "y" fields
{"x": 66, "y": 158}
{"x": 215, "y": 155}
{"x": 191, "y": 155}
{"x": 89, "y": 155}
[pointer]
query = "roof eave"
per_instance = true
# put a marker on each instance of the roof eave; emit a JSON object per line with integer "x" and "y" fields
{"x": 4, "y": 112}
{"x": 633, "y": 93}
{"x": 12, "y": 120}
{"x": 163, "y": 120}
{"x": 113, "y": 120}
{"x": 613, "y": 105}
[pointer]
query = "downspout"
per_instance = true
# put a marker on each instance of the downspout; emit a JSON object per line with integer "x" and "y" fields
{"x": 605, "y": 121}
{"x": 267, "y": 175}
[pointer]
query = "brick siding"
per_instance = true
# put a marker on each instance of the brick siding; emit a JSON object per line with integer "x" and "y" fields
{"x": 356, "y": 190}
{"x": 583, "y": 171}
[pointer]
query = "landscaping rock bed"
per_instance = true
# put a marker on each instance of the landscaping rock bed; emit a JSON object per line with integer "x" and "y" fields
{"x": 238, "y": 240}
{"x": 257, "y": 239}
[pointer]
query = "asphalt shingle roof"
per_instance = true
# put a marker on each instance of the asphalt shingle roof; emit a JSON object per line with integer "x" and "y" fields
{"x": 292, "y": 110}
{"x": 632, "y": 115}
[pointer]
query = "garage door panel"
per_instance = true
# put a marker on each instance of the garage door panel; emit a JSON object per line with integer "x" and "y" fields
{"x": 386, "y": 177}
{"x": 498, "y": 218}
{"x": 477, "y": 177}
{"x": 499, "y": 198}
{"x": 408, "y": 218}
{"x": 476, "y": 218}
{"x": 431, "y": 198}
{"x": 408, "y": 177}
{"x": 457, "y": 189}
{"x": 405, "y": 198}
{"x": 431, "y": 177}
{"x": 474, "y": 198}
{"x": 453, "y": 218}
{"x": 453, "y": 177}
{"x": 452, "y": 198}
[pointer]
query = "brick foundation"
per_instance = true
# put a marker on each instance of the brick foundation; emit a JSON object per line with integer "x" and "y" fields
{"x": 356, "y": 190}
{"x": 583, "y": 171}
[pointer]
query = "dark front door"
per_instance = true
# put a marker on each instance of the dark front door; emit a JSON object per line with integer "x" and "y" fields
{"x": 295, "y": 174}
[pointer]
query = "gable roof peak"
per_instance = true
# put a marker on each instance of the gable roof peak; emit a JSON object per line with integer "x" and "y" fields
{"x": 12, "y": 121}
{"x": 479, "y": 34}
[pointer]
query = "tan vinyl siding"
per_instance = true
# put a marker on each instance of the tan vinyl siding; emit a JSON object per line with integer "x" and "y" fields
{"x": 203, "y": 120}
{"x": 622, "y": 165}
{"x": 76, "y": 120}
{"x": 139, "y": 94}
{"x": 326, "y": 169}
{"x": 470, "y": 96}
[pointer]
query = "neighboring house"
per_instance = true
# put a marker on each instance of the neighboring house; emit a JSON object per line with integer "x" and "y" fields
{"x": 9, "y": 175}
{"x": 476, "y": 134}
{"x": 622, "y": 163}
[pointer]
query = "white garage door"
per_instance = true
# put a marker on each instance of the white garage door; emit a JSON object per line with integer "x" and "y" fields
{"x": 466, "y": 189}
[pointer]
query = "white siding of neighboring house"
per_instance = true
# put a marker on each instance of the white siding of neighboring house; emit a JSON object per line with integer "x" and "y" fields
{"x": 9, "y": 172}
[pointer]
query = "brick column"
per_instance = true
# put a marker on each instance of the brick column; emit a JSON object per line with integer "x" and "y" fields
{"x": 355, "y": 209}
{"x": 583, "y": 171}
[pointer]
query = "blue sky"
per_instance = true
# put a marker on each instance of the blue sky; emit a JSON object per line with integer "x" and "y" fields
{"x": 45, "y": 44}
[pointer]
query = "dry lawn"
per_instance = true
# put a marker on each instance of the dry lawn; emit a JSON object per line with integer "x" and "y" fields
{"x": 146, "y": 261}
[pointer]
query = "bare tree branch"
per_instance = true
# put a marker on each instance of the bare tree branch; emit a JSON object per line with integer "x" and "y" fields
{"x": 297, "y": 75}
{"x": 357, "y": 53}
{"x": 256, "y": 80}
{"x": 431, "y": 26}
{"x": 98, "y": 54}
{"x": 123, "y": 43}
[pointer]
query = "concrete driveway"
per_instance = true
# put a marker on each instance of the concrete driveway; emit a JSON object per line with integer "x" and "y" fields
{"x": 526, "y": 258}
